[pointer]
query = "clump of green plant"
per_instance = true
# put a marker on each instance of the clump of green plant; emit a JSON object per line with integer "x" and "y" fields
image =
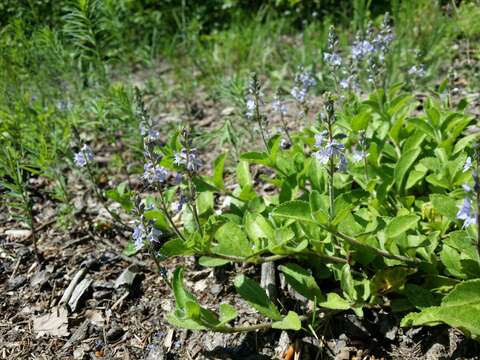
{"x": 372, "y": 199}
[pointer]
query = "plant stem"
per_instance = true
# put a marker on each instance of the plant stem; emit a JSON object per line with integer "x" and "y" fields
{"x": 167, "y": 215}
{"x": 379, "y": 252}
{"x": 263, "y": 326}
{"x": 331, "y": 190}
{"x": 285, "y": 128}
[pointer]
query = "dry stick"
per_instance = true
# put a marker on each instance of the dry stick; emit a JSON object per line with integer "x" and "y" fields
{"x": 76, "y": 279}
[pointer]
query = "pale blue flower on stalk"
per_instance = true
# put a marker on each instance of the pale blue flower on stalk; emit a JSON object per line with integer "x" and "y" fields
{"x": 299, "y": 94}
{"x": 468, "y": 164}
{"x": 279, "y": 106}
{"x": 319, "y": 138}
{"x": 361, "y": 49}
{"x": 139, "y": 235}
{"x": 84, "y": 156}
{"x": 359, "y": 155}
{"x": 154, "y": 173}
{"x": 342, "y": 166}
{"x": 251, "y": 107}
{"x": 417, "y": 71}
{"x": 332, "y": 59}
{"x": 466, "y": 213}
{"x": 334, "y": 148}
{"x": 153, "y": 235}
{"x": 177, "y": 206}
{"x": 322, "y": 156}
{"x": 188, "y": 159}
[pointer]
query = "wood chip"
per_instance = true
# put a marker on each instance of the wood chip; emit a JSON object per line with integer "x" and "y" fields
{"x": 55, "y": 323}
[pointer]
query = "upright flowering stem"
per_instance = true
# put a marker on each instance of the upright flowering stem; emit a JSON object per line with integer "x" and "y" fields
{"x": 331, "y": 171}
{"x": 253, "y": 106}
{"x": 163, "y": 204}
{"x": 191, "y": 188}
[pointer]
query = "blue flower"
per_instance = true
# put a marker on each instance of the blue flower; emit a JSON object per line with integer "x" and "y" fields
{"x": 466, "y": 213}
{"x": 154, "y": 173}
{"x": 138, "y": 236}
{"x": 332, "y": 59}
{"x": 359, "y": 155}
{"x": 319, "y": 138}
{"x": 84, "y": 156}
{"x": 279, "y": 107}
{"x": 299, "y": 94}
{"x": 468, "y": 164}
{"x": 342, "y": 166}
{"x": 322, "y": 156}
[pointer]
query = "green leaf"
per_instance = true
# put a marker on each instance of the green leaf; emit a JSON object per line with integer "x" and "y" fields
{"x": 301, "y": 281}
{"x": 130, "y": 249}
{"x": 181, "y": 295}
{"x": 256, "y": 297}
{"x": 176, "y": 247}
{"x": 255, "y": 157}
{"x": 227, "y": 314}
{"x": 444, "y": 205}
{"x": 289, "y": 322}
{"x": 208, "y": 261}
{"x": 232, "y": 241}
{"x": 347, "y": 283}
{"x": 335, "y": 302}
{"x": 424, "y": 126}
{"x": 319, "y": 207}
{"x": 297, "y": 210}
{"x": 257, "y": 227}
{"x": 464, "y": 142}
{"x": 404, "y": 164}
{"x": 243, "y": 174}
{"x": 161, "y": 221}
{"x": 400, "y": 225}
{"x": 459, "y": 309}
{"x": 360, "y": 121}
{"x": 218, "y": 168}
{"x": 419, "y": 297}
{"x": 204, "y": 202}
{"x": 202, "y": 185}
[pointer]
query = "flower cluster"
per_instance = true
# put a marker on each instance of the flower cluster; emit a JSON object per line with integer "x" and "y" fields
{"x": 304, "y": 81}
{"x": 329, "y": 148}
{"x": 279, "y": 106}
{"x": 177, "y": 206}
{"x": 153, "y": 172}
{"x": 360, "y": 152}
{"x": 467, "y": 212}
{"x": 384, "y": 38}
{"x": 145, "y": 233}
{"x": 331, "y": 56}
{"x": 417, "y": 71}
{"x": 189, "y": 159}
{"x": 84, "y": 156}
{"x": 254, "y": 98}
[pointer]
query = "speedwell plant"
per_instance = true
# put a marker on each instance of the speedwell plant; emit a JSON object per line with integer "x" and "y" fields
{"x": 376, "y": 198}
